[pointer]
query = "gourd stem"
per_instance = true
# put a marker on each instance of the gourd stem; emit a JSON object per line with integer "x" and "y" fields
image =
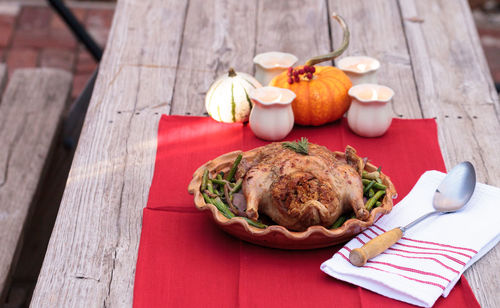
{"x": 231, "y": 72}
{"x": 337, "y": 52}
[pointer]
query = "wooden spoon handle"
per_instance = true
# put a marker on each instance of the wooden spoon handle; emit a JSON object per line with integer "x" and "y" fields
{"x": 359, "y": 256}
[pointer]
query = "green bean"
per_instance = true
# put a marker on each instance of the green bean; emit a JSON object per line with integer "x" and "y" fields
{"x": 219, "y": 181}
{"x": 254, "y": 223}
{"x": 376, "y": 185}
{"x": 214, "y": 190}
{"x": 378, "y": 203}
{"x": 222, "y": 207}
{"x": 231, "y": 173}
{"x": 368, "y": 187}
{"x": 371, "y": 202}
{"x": 210, "y": 186}
{"x": 207, "y": 198}
{"x": 339, "y": 222}
{"x": 204, "y": 180}
{"x": 229, "y": 199}
{"x": 371, "y": 192}
{"x": 219, "y": 189}
{"x": 237, "y": 186}
{"x": 209, "y": 194}
{"x": 379, "y": 180}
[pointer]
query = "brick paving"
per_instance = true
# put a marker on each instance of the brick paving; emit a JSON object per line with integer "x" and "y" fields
{"x": 34, "y": 36}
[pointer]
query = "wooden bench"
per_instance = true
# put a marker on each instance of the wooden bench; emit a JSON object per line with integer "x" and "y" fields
{"x": 30, "y": 116}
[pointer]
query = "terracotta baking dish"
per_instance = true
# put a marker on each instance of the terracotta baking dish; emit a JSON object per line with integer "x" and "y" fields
{"x": 278, "y": 236}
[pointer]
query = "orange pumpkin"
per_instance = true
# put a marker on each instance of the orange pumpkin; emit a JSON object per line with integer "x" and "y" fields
{"x": 323, "y": 98}
{"x": 320, "y": 100}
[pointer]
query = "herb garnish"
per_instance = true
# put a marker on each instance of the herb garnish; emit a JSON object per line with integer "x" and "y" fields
{"x": 301, "y": 146}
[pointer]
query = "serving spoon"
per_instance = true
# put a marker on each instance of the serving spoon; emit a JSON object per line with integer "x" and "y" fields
{"x": 452, "y": 194}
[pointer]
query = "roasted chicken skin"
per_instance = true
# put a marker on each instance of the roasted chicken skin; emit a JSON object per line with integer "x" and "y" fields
{"x": 298, "y": 191}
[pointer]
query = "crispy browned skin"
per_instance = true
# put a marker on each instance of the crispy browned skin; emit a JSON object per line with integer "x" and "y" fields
{"x": 298, "y": 191}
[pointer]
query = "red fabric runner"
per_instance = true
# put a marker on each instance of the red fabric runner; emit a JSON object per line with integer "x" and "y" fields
{"x": 186, "y": 261}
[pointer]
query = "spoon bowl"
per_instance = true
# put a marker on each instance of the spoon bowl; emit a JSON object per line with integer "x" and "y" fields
{"x": 456, "y": 189}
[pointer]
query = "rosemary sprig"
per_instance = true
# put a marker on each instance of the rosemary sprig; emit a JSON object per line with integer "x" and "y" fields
{"x": 301, "y": 146}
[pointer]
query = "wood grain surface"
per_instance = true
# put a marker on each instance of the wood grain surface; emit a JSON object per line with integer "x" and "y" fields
{"x": 376, "y": 31}
{"x": 162, "y": 56}
{"x": 30, "y": 113}
{"x": 297, "y": 27}
{"x": 209, "y": 48}
{"x": 90, "y": 260}
{"x": 455, "y": 86}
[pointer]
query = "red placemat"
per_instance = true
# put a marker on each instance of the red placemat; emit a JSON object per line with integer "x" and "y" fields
{"x": 186, "y": 261}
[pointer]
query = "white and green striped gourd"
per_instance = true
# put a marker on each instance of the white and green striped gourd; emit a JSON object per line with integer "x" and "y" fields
{"x": 227, "y": 99}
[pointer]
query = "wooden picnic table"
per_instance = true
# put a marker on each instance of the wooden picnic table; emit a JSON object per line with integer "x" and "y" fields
{"x": 162, "y": 57}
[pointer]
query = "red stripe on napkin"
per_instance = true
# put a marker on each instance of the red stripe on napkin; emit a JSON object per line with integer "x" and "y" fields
{"x": 425, "y": 253}
{"x": 419, "y": 252}
{"x": 424, "y": 258}
{"x": 438, "y": 244}
{"x": 449, "y": 252}
{"x": 186, "y": 261}
{"x": 409, "y": 278}
{"x": 426, "y": 242}
{"x": 401, "y": 268}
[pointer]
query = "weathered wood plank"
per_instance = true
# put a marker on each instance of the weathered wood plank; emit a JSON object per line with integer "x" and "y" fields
{"x": 455, "y": 85}
{"x": 91, "y": 257}
{"x": 218, "y": 34}
{"x": 30, "y": 114}
{"x": 297, "y": 27}
{"x": 376, "y": 31}
{"x": 3, "y": 77}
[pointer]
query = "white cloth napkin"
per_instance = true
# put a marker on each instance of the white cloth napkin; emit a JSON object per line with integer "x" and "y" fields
{"x": 430, "y": 258}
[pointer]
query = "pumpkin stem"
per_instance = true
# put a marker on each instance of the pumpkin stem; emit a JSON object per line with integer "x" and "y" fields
{"x": 337, "y": 52}
{"x": 231, "y": 72}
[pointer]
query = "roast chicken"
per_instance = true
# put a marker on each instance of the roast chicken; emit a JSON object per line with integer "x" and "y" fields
{"x": 297, "y": 190}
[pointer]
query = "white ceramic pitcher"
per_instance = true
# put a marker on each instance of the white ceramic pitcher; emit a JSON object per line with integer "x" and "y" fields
{"x": 271, "y": 117}
{"x": 270, "y": 64}
{"x": 360, "y": 69}
{"x": 370, "y": 114}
